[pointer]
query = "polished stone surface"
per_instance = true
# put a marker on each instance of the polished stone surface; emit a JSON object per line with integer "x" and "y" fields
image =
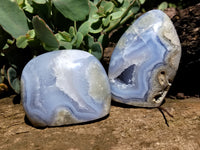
{"x": 65, "y": 87}
{"x": 145, "y": 61}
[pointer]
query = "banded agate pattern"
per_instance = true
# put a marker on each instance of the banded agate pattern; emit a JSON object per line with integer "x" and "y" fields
{"x": 145, "y": 60}
{"x": 65, "y": 87}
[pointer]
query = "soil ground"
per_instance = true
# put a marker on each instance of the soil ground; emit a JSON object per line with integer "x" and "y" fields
{"x": 126, "y": 128}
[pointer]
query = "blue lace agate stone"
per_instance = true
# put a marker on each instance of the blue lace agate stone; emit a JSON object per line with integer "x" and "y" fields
{"x": 145, "y": 61}
{"x": 65, "y": 87}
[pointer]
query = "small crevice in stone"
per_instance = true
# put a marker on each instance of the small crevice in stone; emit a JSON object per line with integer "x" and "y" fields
{"x": 127, "y": 75}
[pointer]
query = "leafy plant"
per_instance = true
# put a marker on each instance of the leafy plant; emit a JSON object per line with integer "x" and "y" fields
{"x": 32, "y": 27}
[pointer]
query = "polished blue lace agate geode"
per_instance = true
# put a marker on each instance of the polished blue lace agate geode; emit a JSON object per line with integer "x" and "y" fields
{"x": 145, "y": 61}
{"x": 65, "y": 87}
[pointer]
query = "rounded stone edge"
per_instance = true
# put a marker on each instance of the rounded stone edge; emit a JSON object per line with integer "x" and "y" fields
{"x": 56, "y": 122}
{"x": 156, "y": 99}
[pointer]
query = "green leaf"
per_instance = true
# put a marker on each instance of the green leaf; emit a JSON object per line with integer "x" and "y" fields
{"x": 112, "y": 25}
{"x": 171, "y": 5}
{"x": 22, "y": 41}
{"x": 130, "y": 14}
{"x": 43, "y": 10}
{"x": 63, "y": 36}
{"x": 31, "y": 34}
{"x": 72, "y": 31}
{"x": 92, "y": 30}
{"x": 116, "y": 15}
{"x": 75, "y": 10}
{"x": 13, "y": 79}
{"x": 79, "y": 39}
{"x": 74, "y": 40}
{"x": 20, "y": 3}
{"x": 125, "y": 5}
{"x": 97, "y": 50}
{"x": 28, "y": 6}
{"x": 12, "y": 18}
{"x": 142, "y": 1}
{"x": 96, "y": 1}
{"x": 44, "y": 33}
{"x": 65, "y": 45}
{"x": 3, "y": 38}
{"x": 106, "y": 21}
{"x": 94, "y": 20}
{"x": 163, "y": 6}
{"x": 103, "y": 39}
{"x": 93, "y": 16}
{"x": 120, "y": 1}
{"x": 2, "y": 72}
{"x": 10, "y": 41}
{"x": 6, "y": 46}
{"x": 107, "y": 6}
{"x": 84, "y": 28}
{"x": 40, "y": 1}
{"x": 89, "y": 40}
{"x": 49, "y": 48}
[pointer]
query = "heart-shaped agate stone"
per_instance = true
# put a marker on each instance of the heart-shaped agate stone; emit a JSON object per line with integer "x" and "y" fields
{"x": 145, "y": 61}
{"x": 65, "y": 87}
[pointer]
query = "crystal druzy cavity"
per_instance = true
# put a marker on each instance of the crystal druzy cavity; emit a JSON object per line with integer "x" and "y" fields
{"x": 65, "y": 87}
{"x": 145, "y": 61}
